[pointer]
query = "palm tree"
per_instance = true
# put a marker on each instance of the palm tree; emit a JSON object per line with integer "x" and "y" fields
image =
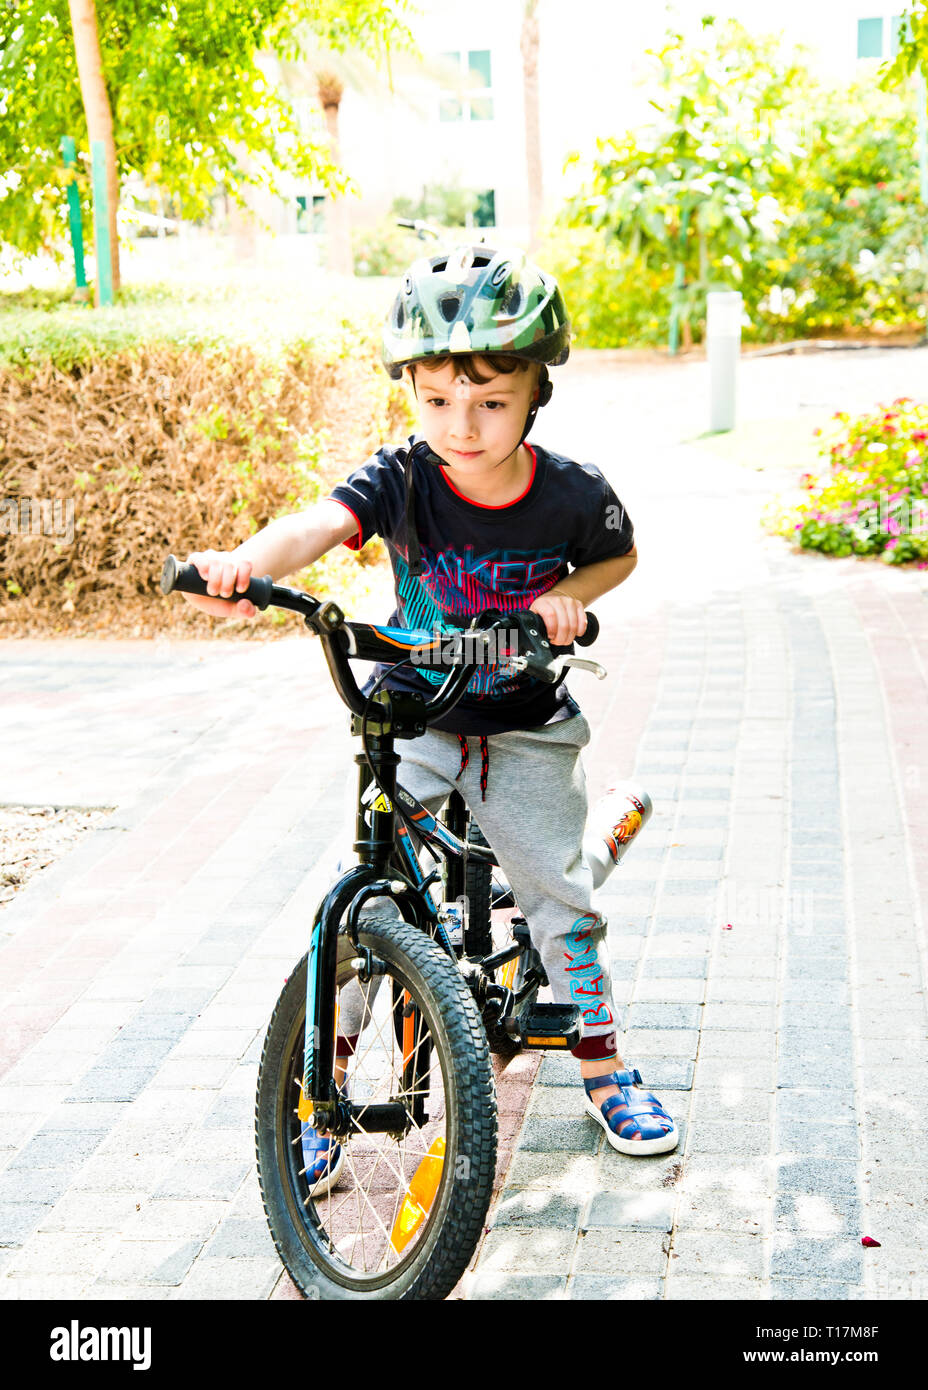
{"x": 529, "y": 46}
{"x": 330, "y": 89}
{"x": 99, "y": 117}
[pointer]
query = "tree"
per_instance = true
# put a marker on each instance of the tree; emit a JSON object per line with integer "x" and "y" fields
{"x": 331, "y": 90}
{"x": 192, "y": 112}
{"x": 693, "y": 192}
{"x": 98, "y": 114}
{"x": 529, "y": 45}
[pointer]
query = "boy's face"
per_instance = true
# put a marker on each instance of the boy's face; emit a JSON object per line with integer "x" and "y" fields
{"x": 474, "y": 428}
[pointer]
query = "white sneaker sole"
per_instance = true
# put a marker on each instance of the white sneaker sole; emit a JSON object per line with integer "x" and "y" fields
{"x": 662, "y": 1145}
{"x": 329, "y": 1178}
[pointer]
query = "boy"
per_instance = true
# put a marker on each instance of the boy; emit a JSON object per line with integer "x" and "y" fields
{"x": 485, "y": 521}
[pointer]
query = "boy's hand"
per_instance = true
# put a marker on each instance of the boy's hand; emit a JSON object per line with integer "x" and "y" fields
{"x": 564, "y": 617}
{"x": 225, "y": 575}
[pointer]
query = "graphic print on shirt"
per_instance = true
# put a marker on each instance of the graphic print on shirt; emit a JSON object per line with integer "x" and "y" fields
{"x": 466, "y": 585}
{"x": 584, "y": 971}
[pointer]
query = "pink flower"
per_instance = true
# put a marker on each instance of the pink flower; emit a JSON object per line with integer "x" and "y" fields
{"x": 891, "y": 545}
{"x": 853, "y": 202}
{"x": 912, "y": 458}
{"x": 919, "y": 435}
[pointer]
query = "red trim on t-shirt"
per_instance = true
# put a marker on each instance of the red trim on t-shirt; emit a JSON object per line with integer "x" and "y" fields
{"x": 498, "y": 507}
{"x": 352, "y": 542}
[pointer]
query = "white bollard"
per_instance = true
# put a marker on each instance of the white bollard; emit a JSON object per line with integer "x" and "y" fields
{"x": 723, "y": 348}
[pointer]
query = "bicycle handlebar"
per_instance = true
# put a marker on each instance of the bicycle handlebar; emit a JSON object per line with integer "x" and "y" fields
{"x": 368, "y": 642}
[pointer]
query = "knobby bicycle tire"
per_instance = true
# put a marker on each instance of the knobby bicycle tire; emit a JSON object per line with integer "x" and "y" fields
{"x": 455, "y": 1223}
{"x": 478, "y": 887}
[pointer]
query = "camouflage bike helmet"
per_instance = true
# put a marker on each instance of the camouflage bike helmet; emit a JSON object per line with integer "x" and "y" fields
{"x": 474, "y": 300}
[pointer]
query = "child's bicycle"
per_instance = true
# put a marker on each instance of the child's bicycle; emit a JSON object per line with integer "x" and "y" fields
{"x": 379, "y": 1188}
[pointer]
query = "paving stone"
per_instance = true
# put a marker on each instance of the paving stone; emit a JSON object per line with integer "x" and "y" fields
{"x": 18, "y": 1220}
{"x": 547, "y": 1135}
{"x": 742, "y": 1044}
{"x": 831, "y": 1258}
{"x": 735, "y": 1139}
{"x": 709, "y": 1252}
{"x": 56, "y": 1149}
{"x": 816, "y": 1175}
{"x": 202, "y": 1180}
{"x": 555, "y": 1172}
{"x": 639, "y": 1253}
{"x": 237, "y": 1238}
{"x": 650, "y": 1015}
{"x": 521, "y": 1287}
{"x": 519, "y": 1248}
{"x": 705, "y": 1287}
{"x": 668, "y": 991}
{"x": 631, "y": 1210}
{"x": 595, "y": 1287}
{"x": 737, "y": 1018}
{"x": 537, "y": 1209}
{"x": 826, "y": 1140}
{"x": 818, "y": 1213}
{"x": 240, "y": 1278}
{"x": 814, "y": 1104}
{"x": 801, "y": 1289}
{"x": 735, "y": 1212}
{"x": 674, "y": 967}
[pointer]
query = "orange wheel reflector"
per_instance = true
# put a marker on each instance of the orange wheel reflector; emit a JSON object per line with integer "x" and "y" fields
{"x": 418, "y": 1200}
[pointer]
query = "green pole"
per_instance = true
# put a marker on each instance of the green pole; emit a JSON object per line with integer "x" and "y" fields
{"x": 69, "y": 155}
{"x": 920, "y": 98}
{"x": 101, "y": 223}
{"x": 678, "y": 281}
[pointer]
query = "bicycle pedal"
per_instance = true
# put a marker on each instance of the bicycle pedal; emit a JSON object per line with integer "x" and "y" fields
{"x": 550, "y": 1026}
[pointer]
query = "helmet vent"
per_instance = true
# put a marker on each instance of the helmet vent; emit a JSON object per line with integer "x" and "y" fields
{"x": 399, "y": 316}
{"x": 512, "y": 302}
{"x": 450, "y": 306}
{"x": 500, "y": 273}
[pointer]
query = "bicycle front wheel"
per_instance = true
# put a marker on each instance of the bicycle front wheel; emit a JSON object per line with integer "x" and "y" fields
{"x": 404, "y": 1215}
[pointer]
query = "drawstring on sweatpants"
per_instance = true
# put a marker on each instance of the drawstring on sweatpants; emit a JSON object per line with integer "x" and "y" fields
{"x": 484, "y": 762}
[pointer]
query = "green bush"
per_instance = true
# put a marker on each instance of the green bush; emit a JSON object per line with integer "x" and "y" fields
{"x": 612, "y": 299}
{"x": 386, "y": 249}
{"x": 872, "y": 498}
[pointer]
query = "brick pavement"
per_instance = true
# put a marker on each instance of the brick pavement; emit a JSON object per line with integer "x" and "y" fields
{"x": 773, "y": 705}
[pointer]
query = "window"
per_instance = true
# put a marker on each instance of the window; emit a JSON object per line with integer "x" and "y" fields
{"x": 310, "y": 217}
{"x": 485, "y": 211}
{"x": 878, "y": 39}
{"x": 468, "y": 96}
{"x": 869, "y": 38}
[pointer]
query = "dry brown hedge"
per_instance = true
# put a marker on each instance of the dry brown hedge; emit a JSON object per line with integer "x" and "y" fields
{"x": 168, "y": 449}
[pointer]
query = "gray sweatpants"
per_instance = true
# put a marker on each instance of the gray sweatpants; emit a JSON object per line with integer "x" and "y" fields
{"x": 534, "y": 815}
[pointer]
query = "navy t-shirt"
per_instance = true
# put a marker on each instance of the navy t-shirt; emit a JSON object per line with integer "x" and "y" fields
{"x": 476, "y": 557}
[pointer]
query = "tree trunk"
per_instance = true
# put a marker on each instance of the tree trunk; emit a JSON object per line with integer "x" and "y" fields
{"x": 338, "y": 226}
{"x": 529, "y": 45}
{"x": 99, "y": 116}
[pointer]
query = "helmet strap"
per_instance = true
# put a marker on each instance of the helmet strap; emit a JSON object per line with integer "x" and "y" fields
{"x": 545, "y": 392}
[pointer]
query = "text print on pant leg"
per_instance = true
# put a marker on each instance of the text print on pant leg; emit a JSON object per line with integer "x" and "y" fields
{"x": 586, "y": 976}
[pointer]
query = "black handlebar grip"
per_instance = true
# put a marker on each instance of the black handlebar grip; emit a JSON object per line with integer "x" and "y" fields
{"x": 592, "y": 631}
{"x": 186, "y": 578}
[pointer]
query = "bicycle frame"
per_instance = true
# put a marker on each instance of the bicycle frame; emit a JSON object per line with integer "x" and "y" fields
{"x": 389, "y": 868}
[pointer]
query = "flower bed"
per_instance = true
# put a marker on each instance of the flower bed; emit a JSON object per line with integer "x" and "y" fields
{"x": 872, "y": 497}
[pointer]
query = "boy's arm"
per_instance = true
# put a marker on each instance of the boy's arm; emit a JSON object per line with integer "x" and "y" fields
{"x": 562, "y": 607}
{"x": 284, "y": 547}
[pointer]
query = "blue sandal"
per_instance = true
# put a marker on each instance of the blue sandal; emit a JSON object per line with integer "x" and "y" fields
{"x": 323, "y": 1159}
{"x": 631, "y": 1112}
